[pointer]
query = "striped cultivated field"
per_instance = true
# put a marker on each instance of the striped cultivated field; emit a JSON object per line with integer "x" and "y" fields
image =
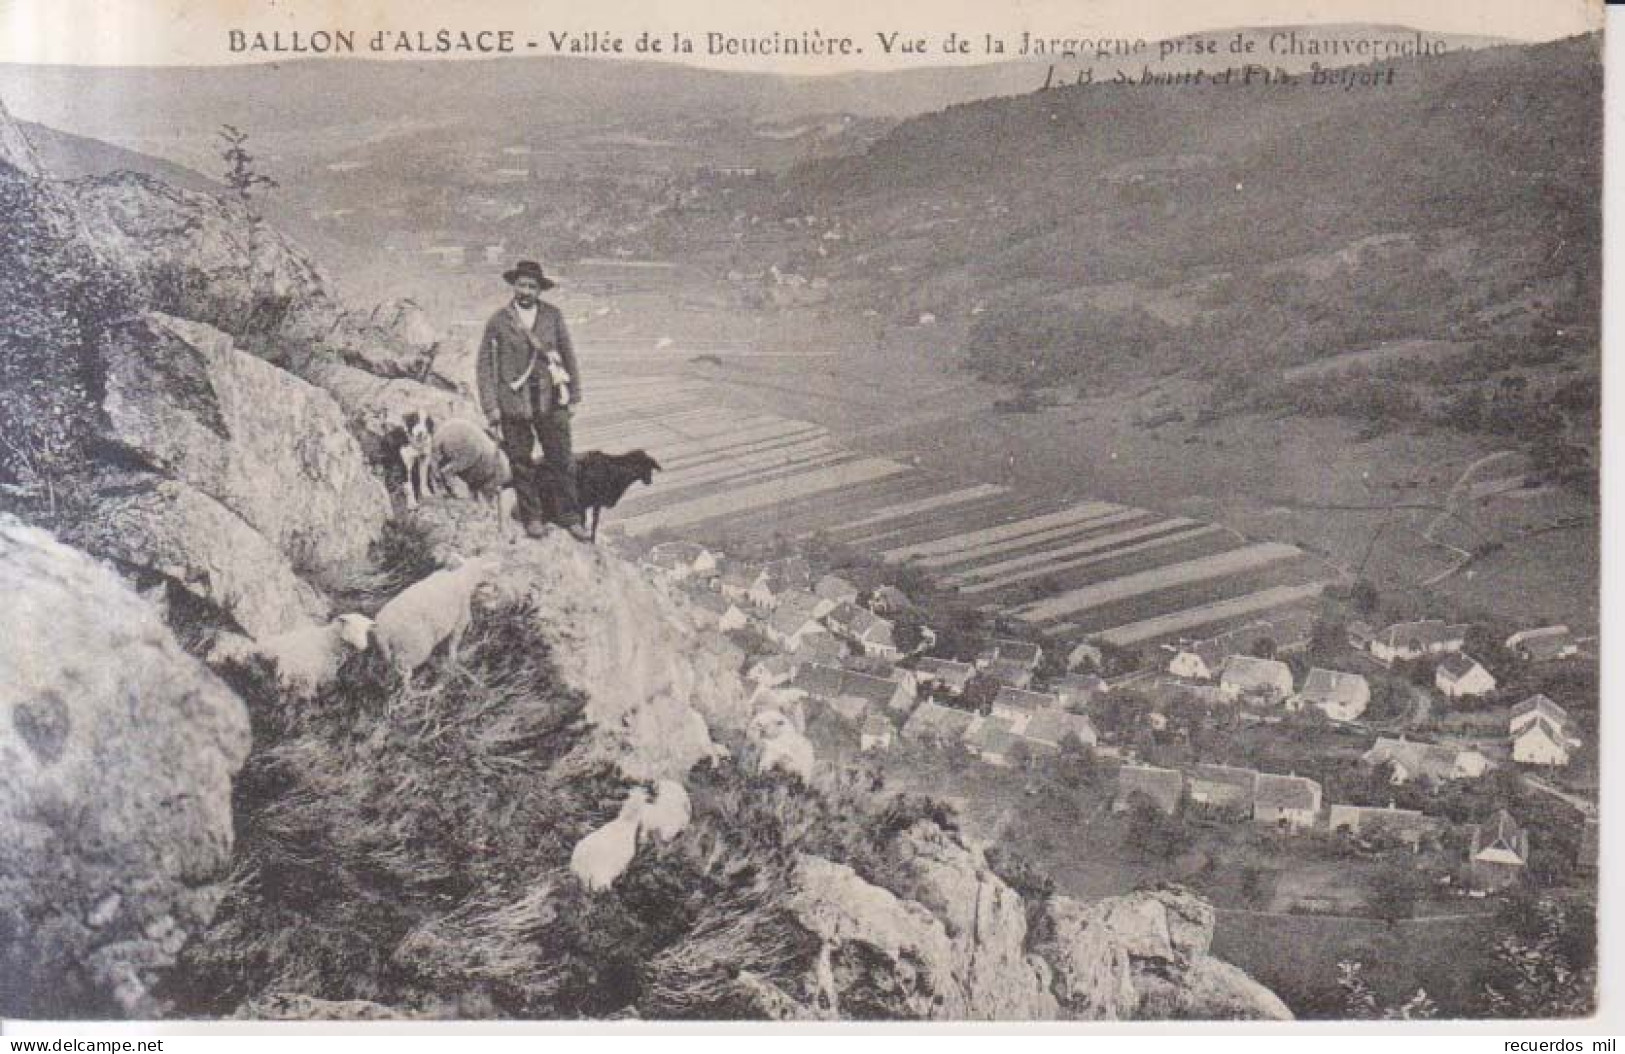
{"x": 1069, "y": 569}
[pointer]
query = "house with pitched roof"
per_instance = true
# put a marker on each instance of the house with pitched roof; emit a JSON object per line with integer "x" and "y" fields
{"x": 717, "y": 612}
{"x": 1013, "y": 674}
{"x": 1201, "y": 660}
{"x": 1003, "y": 650}
{"x": 681, "y": 561}
{"x": 852, "y": 693}
{"x": 1048, "y": 728}
{"x": 1223, "y": 786}
{"x": 877, "y": 733}
{"x": 945, "y": 673}
{"x": 991, "y": 739}
{"x": 834, "y": 591}
{"x": 1544, "y": 644}
{"x": 778, "y": 578}
{"x": 1259, "y": 680}
{"x": 1077, "y": 690}
{"x": 793, "y": 620}
{"x": 933, "y": 722}
{"x": 1425, "y": 761}
{"x": 819, "y": 648}
{"x": 1497, "y": 852}
{"x": 1540, "y": 732}
{"x": 770, "y": 671}
{"x": 1340, "y": 696}
{"x": 1460, "y": 676}
{"x": 1408, "y": 826}
{"x": 1290, "y": 800}
{"x": 1162, "y": 787}
{"x": 736, "y": 580}
{"x": 1404, "y": 641}
{"x": 1017, "y": 705}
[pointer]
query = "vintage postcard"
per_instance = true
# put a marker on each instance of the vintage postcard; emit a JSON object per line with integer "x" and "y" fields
{"x": 1080, "y": 512}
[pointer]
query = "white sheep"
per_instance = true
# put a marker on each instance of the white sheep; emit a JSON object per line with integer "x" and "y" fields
{"x": 429, "y": 612}
{"x": 604, "y": 855}
{"x": 670, "y": 813}
{"x": 780, "y": 746}
{"x": 787, "y": 701}
{"x": 309, "y": 657}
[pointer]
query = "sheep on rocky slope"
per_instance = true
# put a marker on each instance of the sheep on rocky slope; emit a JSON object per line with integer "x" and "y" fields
{"x": 779, "y": 745}
{"x": 428, "y": 613}
{"x": 603, "y": 855}
{"x": 307, "y": 658}
{"x": 670, "y": 813}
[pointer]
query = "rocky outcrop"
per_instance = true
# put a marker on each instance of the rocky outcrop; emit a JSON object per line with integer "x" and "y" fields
{"x": 17, "y": 154}
{"x": 881, "y": 957}
{"x": 371, "y": 403}
{"x": 396, "y": 340}
{"x": 211, "y": 260}
{"x": 117, "y": 752}
{"x": 274, "y": 450}
{"x": 988, "y": 922}
{"x": 1145, "y": 956}
{"x": 162, "y": 528}
{"x": 656, "y": 690}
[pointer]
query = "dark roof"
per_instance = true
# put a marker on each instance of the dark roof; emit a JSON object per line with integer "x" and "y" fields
{"x": 1331, "y": 686}
{"x": 1457, "y": 666}
{"x": 1286, "y": 792}
{"x": 1163, "y": 786}
{"x": 1541, "y": 704}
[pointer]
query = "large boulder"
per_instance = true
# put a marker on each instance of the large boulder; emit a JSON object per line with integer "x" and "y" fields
{"x": 987, "y": 919}
{"x": 164, "y": 529}
{"x": 881, "y": 957}
{"x": 117, "y": 752}
{"x": 181, "y": 399}
{"x": 396, "y": 340}
{"x": 17, "y": 154}
{"x": 210, "y": 259}
{"x": 1144, "y": 956}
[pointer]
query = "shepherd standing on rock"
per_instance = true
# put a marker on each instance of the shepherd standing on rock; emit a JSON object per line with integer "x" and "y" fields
{"x": 529, "y": 386}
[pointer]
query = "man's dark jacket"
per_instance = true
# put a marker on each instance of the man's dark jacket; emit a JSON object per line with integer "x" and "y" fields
{"x": 506, "y": 352}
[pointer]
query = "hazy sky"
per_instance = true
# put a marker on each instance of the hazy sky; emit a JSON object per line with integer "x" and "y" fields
{"x": 195, "y": 32}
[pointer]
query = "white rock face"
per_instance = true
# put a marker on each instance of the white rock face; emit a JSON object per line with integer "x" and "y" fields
{"x": 171, "y": 529}
{"x": 1145, "y": 956}
{"x": 262, "y": 442}
{"x": 117, "y": 751}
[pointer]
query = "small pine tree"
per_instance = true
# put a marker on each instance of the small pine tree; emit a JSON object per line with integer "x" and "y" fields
{"x": 241, "y": 175}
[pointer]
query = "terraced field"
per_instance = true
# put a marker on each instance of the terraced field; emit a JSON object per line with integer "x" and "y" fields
{"x": 1127, "y": 575}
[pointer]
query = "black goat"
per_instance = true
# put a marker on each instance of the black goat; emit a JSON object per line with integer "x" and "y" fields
{"x": 602, "y": 479}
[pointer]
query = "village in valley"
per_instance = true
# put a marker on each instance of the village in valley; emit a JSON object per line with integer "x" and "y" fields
{"x": 1430, "y": 761}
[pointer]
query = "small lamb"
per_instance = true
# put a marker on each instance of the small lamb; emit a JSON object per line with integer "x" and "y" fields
{"x": 309, "y": 657}
{"x": 425, "y": 614}
{"x": 780, "y": 746}
{"x": 670, "y": 813}
{"x": 604, "y": 855}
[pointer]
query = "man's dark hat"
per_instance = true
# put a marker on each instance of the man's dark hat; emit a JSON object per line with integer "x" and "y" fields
{"x": 528, "y": 269}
